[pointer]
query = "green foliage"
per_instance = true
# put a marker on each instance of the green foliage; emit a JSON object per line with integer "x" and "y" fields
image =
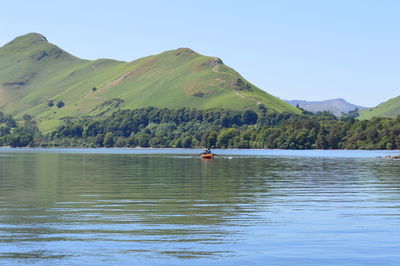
{"x": 60, "y": 104}
{"x": 99, "y": 140}
{"x": 18, "y": 140}
{"x": 8, "y": 120}
{"x": 14, "y": 135}
{"x": 187, "y": 128}
{"x": 227, "y": 138}
{"x": 108, "y": 140}
{"x": 350, "y": 115}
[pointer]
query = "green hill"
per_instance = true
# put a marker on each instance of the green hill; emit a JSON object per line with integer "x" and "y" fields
{"x": 34, "y": 72}
{"x": 390, "y": 108}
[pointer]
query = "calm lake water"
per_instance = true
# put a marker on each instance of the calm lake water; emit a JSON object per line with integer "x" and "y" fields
{"x": 163, "y": 207}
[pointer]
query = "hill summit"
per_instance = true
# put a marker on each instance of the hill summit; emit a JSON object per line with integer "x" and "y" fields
{"x": 35, "y": 74}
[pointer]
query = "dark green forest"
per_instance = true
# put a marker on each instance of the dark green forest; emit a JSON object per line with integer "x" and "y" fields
{"x": 217, "y": 128}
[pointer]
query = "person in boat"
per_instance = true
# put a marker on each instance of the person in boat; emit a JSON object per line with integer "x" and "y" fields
{"x": 206, "y": 151}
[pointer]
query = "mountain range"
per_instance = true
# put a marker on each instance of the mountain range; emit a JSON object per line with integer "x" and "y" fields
{"x": 36, "y": 74}
{"x": 336, "y": 106}
{"x": 40, "y": 79}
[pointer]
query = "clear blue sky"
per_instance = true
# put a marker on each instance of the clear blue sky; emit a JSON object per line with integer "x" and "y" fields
{"x": 308, "y": 50}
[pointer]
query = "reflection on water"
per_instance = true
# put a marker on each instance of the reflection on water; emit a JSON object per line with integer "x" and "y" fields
{"x": 168, "y": 209}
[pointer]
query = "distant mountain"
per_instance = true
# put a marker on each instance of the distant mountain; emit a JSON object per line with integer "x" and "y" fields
{"x": 336, "y": 106}
{"x": 35, "y": 75}
{"x": 390, "y": 108}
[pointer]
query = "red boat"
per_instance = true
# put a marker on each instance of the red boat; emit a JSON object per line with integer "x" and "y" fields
{"x": 207, "y": 156}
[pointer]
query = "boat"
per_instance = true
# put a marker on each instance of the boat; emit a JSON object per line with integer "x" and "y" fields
{"x": 207, "y": 156}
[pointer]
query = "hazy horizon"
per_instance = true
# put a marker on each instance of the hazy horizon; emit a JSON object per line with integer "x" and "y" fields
{"x": 310, "y": 51}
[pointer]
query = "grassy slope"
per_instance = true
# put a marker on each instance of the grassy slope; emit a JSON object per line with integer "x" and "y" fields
{"x": 390, "y": 108}
{"x": 33, "y": 71}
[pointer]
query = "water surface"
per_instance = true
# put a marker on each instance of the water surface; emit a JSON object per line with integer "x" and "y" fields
{"x": 163, "y": 207}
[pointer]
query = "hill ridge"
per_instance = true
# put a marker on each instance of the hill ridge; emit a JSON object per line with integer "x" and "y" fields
{"x": 35, "y": 72}
{"x": 389, "y": 108}
{"x": 336, "y": 106}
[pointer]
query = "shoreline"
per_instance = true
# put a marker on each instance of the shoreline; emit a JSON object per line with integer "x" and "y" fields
{"x": 185, "y": 153}
{"x": 173, "y": 148}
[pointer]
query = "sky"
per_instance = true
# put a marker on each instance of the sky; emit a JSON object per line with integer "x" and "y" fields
{"x": 306, "y": 50}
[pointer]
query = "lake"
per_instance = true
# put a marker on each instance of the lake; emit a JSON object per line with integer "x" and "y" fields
{"x": 163, "y": 207}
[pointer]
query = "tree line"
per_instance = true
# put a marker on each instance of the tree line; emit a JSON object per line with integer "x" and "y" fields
{"x": 217, "y": 128}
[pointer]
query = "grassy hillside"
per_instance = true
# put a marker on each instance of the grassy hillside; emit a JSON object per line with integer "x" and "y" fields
{"x": 34, "y": 72}
{"x": 390, "y": 108}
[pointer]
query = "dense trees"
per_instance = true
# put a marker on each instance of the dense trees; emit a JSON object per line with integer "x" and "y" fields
{"x": 14, "y": 135}
{"x": 186, "y": 128}
{"x": 155, "y": 127}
